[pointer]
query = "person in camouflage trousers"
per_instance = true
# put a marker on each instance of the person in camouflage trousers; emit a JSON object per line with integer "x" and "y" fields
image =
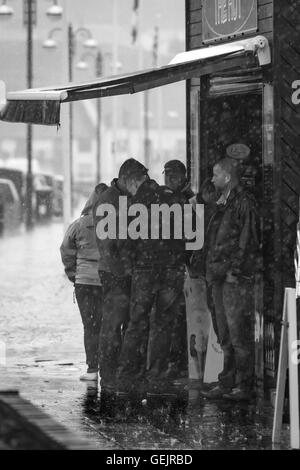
{"x": 157, "y": 283}
{"x": 176, "y": 180}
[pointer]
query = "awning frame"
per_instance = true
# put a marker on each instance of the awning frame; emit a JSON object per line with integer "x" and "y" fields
{"x": 250, "y": 52}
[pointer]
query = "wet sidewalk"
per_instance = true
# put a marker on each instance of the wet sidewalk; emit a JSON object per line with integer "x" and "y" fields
{"x": 41, "y": 333}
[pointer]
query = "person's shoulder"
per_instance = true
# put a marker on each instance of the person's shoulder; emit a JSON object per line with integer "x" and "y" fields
{"x": 73, "y": 227}
{"x": 166, "y": 194}
{"x": 85, "y": 219}
{"x": 100, "y": 188}
{"x": 165, "y": 189}
{"x": 246, "y": 199}
{"x": 107, "y": 195}
{"x": 151, "y": 185}
{"x": 187, "y": 192}
{"x": 247, "y": 195}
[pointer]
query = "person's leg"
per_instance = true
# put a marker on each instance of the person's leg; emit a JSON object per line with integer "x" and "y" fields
{"x": 169, "y": 344}
{"x": 89, "y": 300}
{"x": 116, "y": 298}
{"x": 227, "y": 376}
{"x": 133, "y": 357}
{"x": 211, "y": 308}
{"x": 178, "y": 359}
{"x": 239, "y": 307}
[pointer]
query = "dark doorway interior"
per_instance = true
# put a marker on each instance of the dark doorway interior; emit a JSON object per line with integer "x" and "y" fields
{"x": 229, "y": 120}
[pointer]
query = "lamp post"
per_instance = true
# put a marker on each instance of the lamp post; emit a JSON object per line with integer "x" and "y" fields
{"x": 29, "y": 20}
{"x": 29, "y": 185}
{"x": 98, "y": 132}
{"x": 82, "y": 65}
{"x": 89, "y": 43}
{"x": 6, "y": 10}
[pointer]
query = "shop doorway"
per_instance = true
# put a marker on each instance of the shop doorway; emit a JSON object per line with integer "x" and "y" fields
{"x": 238, "y": 118}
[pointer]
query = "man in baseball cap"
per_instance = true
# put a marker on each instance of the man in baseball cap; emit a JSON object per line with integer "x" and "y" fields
{"x": 175, "y": 176}
{"x": 175, "y": 166}
{"x": 176, "y": 179}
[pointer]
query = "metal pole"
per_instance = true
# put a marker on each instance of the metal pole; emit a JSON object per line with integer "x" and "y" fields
{"x": 115, "y": 101}
{"x": 29, "y": 185}
{"x": 71, "y": 45}
{"x": 98, "y": 129}
{"x": 141, "y": 130}
{"x": 65, "y": 128}
{"x": 146, "y": 128}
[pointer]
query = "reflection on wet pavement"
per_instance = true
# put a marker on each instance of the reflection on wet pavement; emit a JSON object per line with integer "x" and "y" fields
{"x": 179, "y": 422}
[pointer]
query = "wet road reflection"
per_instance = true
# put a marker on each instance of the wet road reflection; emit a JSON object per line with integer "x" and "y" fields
{"x": 182, "y": 421}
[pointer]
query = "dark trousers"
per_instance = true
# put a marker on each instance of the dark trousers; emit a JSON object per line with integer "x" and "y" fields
{"x": 89, "y": 300}
{"x": 211, "y": 308}
{"x": 116, "y": 299}
{"x": 178, "y": 357}
{"x": 234, "y": 307}
{"x": 161, "y": 288}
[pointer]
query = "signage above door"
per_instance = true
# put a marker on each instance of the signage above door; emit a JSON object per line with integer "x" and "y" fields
{"x": 223, "y": 19}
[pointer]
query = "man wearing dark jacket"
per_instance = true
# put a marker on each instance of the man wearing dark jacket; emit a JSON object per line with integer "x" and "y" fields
{"x": 114, "y": 272}
{"x": 231, "y": 262}
{"x": 176, "y": 180}
{"x": 157, "y": 282}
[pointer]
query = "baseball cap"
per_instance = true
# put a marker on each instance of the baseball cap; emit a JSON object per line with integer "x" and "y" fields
{"x": 132, "y": 167}
{"x": 175, "y": 166}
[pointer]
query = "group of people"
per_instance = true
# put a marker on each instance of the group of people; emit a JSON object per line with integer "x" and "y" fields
{"x": 130, "y": 290}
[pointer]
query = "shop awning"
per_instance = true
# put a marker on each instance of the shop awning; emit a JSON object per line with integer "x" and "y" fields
{"x": 42, "y": 105}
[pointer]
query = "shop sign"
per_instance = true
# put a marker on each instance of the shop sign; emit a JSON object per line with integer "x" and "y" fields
{"x": 227, "y": 18}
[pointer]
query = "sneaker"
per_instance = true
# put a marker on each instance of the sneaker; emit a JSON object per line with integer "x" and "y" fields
{"x": 238, "y": 394}
{"x": 89, "y": 376}
{"x": 215, "y": 393}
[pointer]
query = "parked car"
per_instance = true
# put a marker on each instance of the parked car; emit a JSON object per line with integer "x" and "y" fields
{"x": 11, "y": 206}
{"x": 18, "y": 177}
{"x": 44, "y": 189}
{"x": 58, "y": 195}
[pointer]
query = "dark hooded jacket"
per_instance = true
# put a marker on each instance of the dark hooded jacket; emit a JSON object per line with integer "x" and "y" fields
{"x": 79, "y": 251}
{"x": 112, "y": 250}
{"x": 158, "y": 251}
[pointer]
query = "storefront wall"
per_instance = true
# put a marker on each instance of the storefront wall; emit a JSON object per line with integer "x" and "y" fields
{"x": 275, "y": 141}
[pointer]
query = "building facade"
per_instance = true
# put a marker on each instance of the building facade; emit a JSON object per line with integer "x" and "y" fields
{"x": 251, "y": 107}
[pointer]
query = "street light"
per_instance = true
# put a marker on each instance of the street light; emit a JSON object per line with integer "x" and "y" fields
{"x": 82, "y": 65}
{"x": 88, "y": 43}
{"x": 55, "y": 10}
{"x": 50, "y": 42}
{"x": 30, "y": 21}
{"x": 6, "y": 10}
